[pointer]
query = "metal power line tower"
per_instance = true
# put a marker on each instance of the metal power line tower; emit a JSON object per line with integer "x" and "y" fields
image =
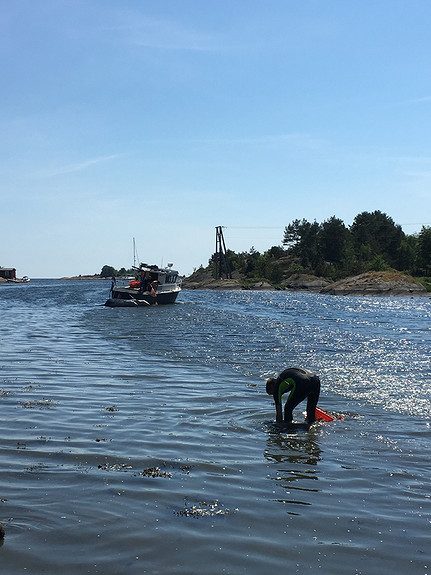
{"x": 221, "y": 261}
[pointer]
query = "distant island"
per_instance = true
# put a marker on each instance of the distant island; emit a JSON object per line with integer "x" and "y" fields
{"x": 373, "y": 256}
{"x": 86, "y": 277}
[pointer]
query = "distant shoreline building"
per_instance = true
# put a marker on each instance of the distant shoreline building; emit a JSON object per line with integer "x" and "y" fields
{"x": 8, "y": 273}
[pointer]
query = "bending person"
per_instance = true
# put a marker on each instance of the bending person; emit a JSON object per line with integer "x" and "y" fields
{"x": 300, "y": 384}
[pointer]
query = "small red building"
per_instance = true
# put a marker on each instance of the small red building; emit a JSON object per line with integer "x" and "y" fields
{"x": 8, "y": 273}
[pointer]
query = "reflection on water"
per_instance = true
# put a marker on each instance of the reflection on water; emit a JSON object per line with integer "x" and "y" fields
{"x": 295, "y": 452}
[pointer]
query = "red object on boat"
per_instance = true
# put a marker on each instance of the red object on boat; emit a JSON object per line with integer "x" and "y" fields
{"x": 323, "y": 415}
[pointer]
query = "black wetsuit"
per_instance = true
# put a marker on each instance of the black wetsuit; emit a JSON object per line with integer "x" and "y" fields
{"x": 301, "y": 383}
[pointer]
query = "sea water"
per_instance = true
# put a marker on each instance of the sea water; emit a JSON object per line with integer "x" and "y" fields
{"x": 141, "y": 441}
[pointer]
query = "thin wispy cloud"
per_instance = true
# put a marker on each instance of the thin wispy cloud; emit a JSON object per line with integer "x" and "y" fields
{"x": 162, "y": 34}
{"x": 78, "y": 167}
{"x": 418, "y": 174}
{"x": 302, "y": 140}
{"x": 170, "y": 35}
{"x": 423, "y": 100}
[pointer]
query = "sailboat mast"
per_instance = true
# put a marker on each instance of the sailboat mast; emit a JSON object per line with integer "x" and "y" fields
{"x": 134, "y": 253}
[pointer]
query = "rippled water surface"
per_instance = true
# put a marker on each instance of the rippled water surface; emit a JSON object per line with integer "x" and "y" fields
{"x": 141, "y": 441}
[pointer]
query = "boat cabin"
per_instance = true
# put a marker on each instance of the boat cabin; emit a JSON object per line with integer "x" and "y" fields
{"x": 149, "y": 274}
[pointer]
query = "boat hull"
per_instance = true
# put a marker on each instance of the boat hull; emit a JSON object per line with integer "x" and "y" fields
{"x": 132, "y": 298}
{"x": 117, "y": 302}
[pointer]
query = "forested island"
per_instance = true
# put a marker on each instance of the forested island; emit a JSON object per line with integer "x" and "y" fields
{"x": 373, "y": 251}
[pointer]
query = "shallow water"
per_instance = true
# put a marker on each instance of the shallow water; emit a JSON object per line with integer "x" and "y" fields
{"x": 142, "y": 440}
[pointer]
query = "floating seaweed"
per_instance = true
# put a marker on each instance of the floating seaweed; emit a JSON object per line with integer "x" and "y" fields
{"x": 204, "y": 509}
{"x": 38, "y": 404}
{"x": 115, "y": 467}
{"x": 154, "y": 472}
{"x": 35, "y": 467}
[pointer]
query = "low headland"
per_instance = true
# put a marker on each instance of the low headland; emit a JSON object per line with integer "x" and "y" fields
{"x": 87, "y": 277}
{"x": 373, "y": 283}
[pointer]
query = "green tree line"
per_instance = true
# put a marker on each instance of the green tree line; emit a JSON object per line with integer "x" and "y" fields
{"x": 333, "y": 250}
{"x": 109, "y": 272}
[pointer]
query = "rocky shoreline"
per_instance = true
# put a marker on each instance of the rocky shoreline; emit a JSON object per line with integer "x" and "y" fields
{"x": 14, "y": 281}
{"x": 377, "y": 283}
{"x": 385, "y": 283}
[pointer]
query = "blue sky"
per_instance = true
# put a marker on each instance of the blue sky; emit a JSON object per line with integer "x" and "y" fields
{"x": 162, "y": 120}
